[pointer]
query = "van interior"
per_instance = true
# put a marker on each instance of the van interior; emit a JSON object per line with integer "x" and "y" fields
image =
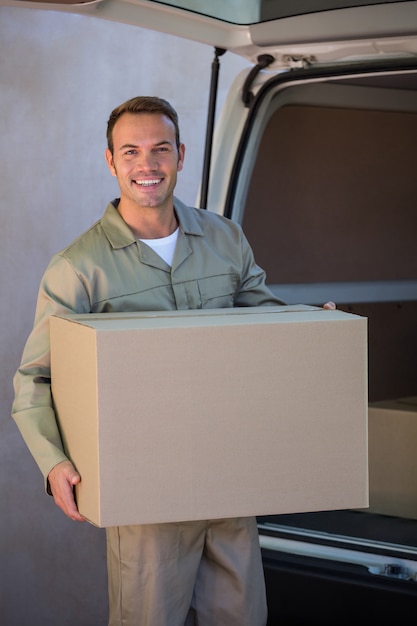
{"x": 331, "y": 210}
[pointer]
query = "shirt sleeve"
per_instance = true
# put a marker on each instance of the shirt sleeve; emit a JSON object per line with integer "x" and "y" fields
{"x": 253, "y": 289}
{"x": 60, "y": 292}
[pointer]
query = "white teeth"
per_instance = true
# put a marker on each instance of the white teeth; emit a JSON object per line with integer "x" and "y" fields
{"x": 147, "y": 183}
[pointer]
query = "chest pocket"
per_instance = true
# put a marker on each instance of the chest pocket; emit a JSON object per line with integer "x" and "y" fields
{"x": 218, "y": 292}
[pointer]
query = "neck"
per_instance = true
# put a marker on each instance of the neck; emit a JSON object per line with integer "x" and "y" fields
{"x": 149, "y": 222}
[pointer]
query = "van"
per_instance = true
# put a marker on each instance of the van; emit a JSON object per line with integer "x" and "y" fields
{"x": 313, "y": 153}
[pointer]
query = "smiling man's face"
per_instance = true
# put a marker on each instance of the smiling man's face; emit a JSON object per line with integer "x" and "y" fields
{"x": 145, "y": 159}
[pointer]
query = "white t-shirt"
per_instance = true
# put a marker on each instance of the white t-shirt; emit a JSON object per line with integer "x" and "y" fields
{"x": 165, "y": 246}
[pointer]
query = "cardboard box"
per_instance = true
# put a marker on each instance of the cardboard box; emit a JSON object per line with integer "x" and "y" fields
{"x": 393, "y": 458}
{"x": 187, "y": 415}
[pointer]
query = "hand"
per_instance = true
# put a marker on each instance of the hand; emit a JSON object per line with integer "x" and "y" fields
{"x": 329, "y": 305}
{"x": 62, "y": 479}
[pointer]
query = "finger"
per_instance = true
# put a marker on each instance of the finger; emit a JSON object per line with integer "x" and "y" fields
{"x": 62, "y": 479}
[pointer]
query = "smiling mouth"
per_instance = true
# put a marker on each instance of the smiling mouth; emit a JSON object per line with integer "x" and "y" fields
{"x": 148, "y": 183}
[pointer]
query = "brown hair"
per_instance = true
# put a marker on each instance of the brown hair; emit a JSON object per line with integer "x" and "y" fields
{"x": 143, "y": 104}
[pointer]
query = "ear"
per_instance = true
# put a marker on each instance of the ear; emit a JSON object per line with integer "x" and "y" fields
{"x": 181, "y": 154}
{"x": 110, "y": 162}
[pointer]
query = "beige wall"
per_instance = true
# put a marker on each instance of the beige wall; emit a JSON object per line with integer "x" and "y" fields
{"x": 60, "y": 77}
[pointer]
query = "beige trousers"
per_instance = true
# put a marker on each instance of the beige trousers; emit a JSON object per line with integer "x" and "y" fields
{"x": 206, "y": 573}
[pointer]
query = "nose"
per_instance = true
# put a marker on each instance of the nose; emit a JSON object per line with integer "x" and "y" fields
{"x": 147, "y": 160}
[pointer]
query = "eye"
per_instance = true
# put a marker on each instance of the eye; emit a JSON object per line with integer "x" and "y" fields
{"x": 162, "y": 149}
{"x": 131, "y": 151}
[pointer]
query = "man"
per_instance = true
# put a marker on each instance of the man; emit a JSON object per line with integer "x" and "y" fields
{"x": 149, "y": 252}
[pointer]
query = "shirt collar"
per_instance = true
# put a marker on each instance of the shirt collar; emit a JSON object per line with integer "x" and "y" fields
{"x": 119, "y": 234}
